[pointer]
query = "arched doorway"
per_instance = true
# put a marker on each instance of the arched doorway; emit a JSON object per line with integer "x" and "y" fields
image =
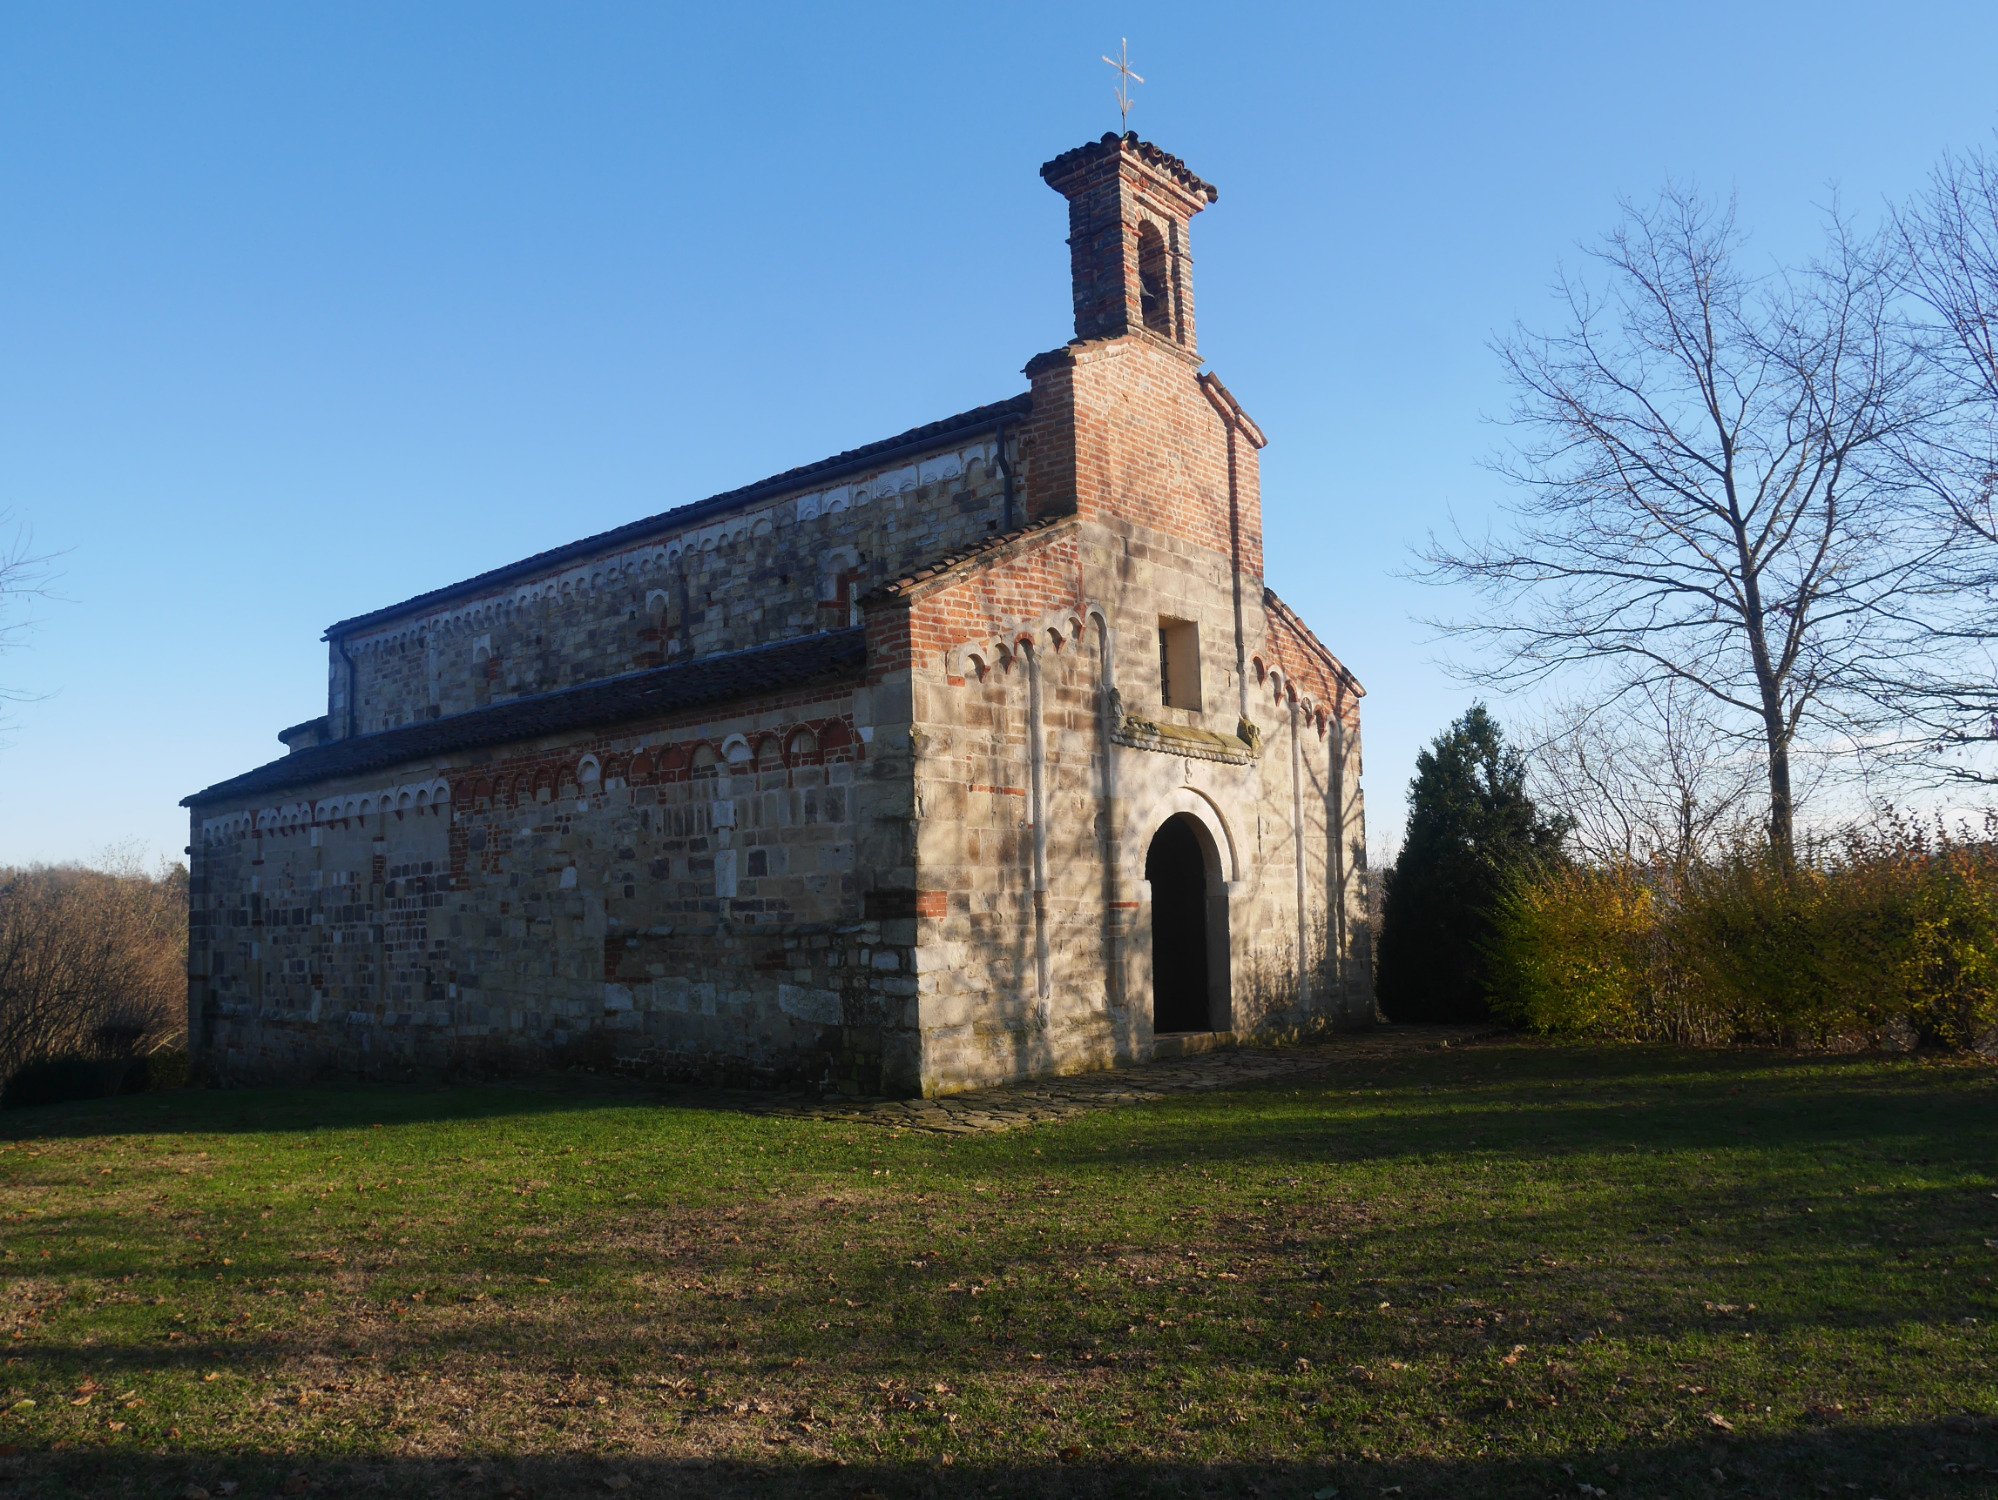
{"x": 1185, "y": 943}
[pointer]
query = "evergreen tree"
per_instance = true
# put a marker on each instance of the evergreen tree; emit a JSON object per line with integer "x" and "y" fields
{"x": 1470, "y": 825}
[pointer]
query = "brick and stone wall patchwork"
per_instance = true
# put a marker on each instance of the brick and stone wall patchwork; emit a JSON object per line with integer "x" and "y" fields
{"x": 771, "y": 572}
{"x": 1122, "y": 430}
{"x": 989, "y": 607}
{"x": 681, "y": 901}
{"x": 984, "y": 1015}
{"x": 1295, "y": 660}
{"x": 1038, "y": 612}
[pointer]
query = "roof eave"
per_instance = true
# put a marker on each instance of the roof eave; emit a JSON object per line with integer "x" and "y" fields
{"x": 916, "y": 440}
{"x": 827, "y": 657}
{"x": 1312, "y": 643}
{"x": 952, "y": 566}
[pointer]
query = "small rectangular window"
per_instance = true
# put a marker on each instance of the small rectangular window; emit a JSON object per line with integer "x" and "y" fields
{"x": 1179, "y": 663}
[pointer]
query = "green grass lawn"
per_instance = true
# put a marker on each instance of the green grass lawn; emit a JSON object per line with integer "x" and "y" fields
{"x": 1508, "y": 1269}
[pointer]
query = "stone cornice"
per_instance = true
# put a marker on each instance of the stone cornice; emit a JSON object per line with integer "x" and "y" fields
{"x": 1236, "y": 749}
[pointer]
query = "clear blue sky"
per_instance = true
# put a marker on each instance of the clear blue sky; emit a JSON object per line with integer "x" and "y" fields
{"x": 305, "y": 308}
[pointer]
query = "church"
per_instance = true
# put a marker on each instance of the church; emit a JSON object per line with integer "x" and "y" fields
{"x": 979, "y": 752}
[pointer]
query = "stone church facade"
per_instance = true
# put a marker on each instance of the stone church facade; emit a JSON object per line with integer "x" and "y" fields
{"x": 976, "y": 753}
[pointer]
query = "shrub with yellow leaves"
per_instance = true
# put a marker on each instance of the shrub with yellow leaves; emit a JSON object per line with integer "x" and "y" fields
{"x": 1885, "y": 935}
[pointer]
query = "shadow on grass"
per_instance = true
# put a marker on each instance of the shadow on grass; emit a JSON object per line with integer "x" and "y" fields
{"x": 1489, "y": 1090}
{"x": 360, "y": 1105}
{"x": 1951, "y": 1458}
{"x": 1815, "y": 1127}
{"x": 1675, "y": 1223}
{"x": 1563, "y": 1276}
{"x": 1540, "y": 1102}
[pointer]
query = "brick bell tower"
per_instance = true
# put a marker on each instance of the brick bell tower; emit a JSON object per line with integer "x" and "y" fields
{"x": 1129, "y": 208}
{"x": 1126, "y": 429}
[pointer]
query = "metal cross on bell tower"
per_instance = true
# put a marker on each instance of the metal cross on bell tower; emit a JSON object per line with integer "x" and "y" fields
{"x": 1125, "y": 78}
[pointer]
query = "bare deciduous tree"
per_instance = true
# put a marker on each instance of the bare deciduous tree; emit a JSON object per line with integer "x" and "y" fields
{"x": 23, "y": 576}
{"x": 1949, "y": 242}
{"x": 1708, "y": 491}
{"x": 92, "y": 961}
{"x": 1654, "y": 782}
{"x": 1948, "y": 238}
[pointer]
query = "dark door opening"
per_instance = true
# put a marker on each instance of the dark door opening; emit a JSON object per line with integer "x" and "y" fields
{"x": 1176, "y": 865}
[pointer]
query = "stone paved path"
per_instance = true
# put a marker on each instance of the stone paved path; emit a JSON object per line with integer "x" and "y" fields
{"x": 1042, "y": 1099}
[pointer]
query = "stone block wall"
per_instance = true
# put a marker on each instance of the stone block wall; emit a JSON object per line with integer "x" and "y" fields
{"x": 680, "y": 898}
{"x": 1291, "y": 675}
{"x": 780, "y": 568}
{"x": 1038, "y": 721}
{"x": 1011, "y": 935}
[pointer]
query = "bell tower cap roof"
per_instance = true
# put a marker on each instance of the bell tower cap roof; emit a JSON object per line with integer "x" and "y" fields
{"x": 1163, "y": 162}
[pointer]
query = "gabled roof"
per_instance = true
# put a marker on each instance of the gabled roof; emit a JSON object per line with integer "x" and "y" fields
{"x": 828, "y": 656}
{"x": 916, "y": 440}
